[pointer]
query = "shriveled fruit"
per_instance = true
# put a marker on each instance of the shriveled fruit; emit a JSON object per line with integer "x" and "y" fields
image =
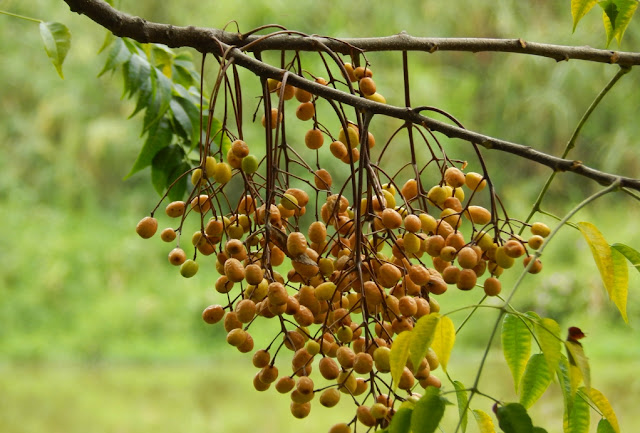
{"x": 234, "y": 270}
{"x": 514, "y": 248}
{"x": 240, "y": 148}
{"x": 261, "y": 358}
{"x": 147, "y": 227}
{"x": 329, "y": 368}
{"x": 535, "y": 242}
{"x": 391, "y": 219}
{"x": 300, "y": 410}
{"x": 285, "y": 384}
{"x": 364, "y": 416}
{"x": 367, "y": 86}
{"x": 201, "y": 204}
{"x": 467, "y": 279}
{"x": 340, "y": 428}
{"x": 467, "y": 258}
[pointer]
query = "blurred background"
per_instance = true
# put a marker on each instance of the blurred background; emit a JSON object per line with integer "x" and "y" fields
{"x": 98, "y": 333}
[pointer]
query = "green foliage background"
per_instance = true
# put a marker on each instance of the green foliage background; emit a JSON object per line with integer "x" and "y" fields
{"x": 97, "y": 329}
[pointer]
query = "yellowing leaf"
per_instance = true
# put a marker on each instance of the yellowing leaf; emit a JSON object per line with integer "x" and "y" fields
{"x": 603, "y": 404}
{"x": 577, "y": 359}
{"x": 444, "y": 338}
{"x": 535, "y": 381}
{"x": 611, "y": 264}
{"x": 398, "y": 356}
{"x": 579, "y": 8}
{"x": 484, "y": 421}
{"x": 422, "y": 337}
{"x": 548, "y": 334}
{"x": 516, "y": 345}
{"x": 632, "y": 255}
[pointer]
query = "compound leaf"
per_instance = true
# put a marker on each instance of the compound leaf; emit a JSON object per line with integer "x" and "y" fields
{"x": 423, "y": 334}
{"x": 484, "y": 421}
{"x": 579, "y": 8}
{"x": 535, "y": 381}
{"x": 57, "y": 41}
{"x": 516, "y": 345}
{"x": 513, "y": 418}
{"x": 118, "y": 54}
{"x": 399, "y": 355}
{"x": 443, "y": 341}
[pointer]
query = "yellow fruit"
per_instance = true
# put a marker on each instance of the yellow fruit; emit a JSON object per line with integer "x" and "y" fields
{"x": 330, "y": 397}
{"x": 302, "y": 95}
{"x": 409, "y": 190}
{"x": 351, "y": 138}
{"x": 475, "y": 181}
{"x": 222, "y": 173}
{"x": 289, "y": 202}
{"x": 350, "y": 72}
{"x": 540, "y": 229}
{"x": 377, "y": 97}
{"x": 502, "y": 259}
{"x": 478, "y": 215}
{"x": 210, "y": 165}
{"x": 535, "y": 242}
{"x": 147, "y": 227}
{"x": 428, "y": 223}
{"x": 305, "y": 111}
{"x": 196, "y": 175}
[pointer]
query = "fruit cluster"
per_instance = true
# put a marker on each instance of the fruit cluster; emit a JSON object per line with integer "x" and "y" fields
{"x": 369, "y": 264}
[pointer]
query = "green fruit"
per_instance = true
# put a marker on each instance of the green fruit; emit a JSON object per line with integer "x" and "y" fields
{"x": 189, "y": 268}
{"x": 250, "y": 164}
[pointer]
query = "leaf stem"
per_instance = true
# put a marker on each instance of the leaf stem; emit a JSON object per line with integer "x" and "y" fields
{"x": 22, "y": 17}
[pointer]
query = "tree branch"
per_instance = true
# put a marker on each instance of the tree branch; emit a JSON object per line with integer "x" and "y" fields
{"x": 230, "y": 45}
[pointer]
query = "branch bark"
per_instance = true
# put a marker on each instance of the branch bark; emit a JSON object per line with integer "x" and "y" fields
{"x": 233, "y": 46}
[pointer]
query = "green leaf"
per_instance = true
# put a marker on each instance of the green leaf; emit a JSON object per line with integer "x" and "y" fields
{"x": 516, "y": 345}
{"x": 401, "y": 421}
{"x": 535, "y": 381}
{"x": 463, "y": 403}
{"x": 577, "y": 358}
{"x": 604, "y": 426}
{"x": 135, "y": 71}
{"x": 611, "y": 264}
{"x": 609, "y": 14}
{"x": 579, "y": 416}
{"x": 164, "y": 165}
{"x": 180, "y": 186}
{"x": 398, "y": 356}
{"x": 548, "y": 336}
{"x": 57, "y": 41}
{"x": 579, "y": 8}
{"x": 484, "y": 421}
{"x": 423, "y": 334}
{"x": 443, "y": 340}
{"x": 632, "y": 255}
{"x": 193, "y": 113}
{"x": 159, "y": 136}
{"x": 513, "y": 418}
{"x": 161, "y": 98}
{"x": 565, "y": 386}
{"x": 626, "y": 9}
{"x": 428, "y": 411}
{"x": 539, "y": 430}
{"x": 118, "y": 54}
{"x": 604, "y": 406}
